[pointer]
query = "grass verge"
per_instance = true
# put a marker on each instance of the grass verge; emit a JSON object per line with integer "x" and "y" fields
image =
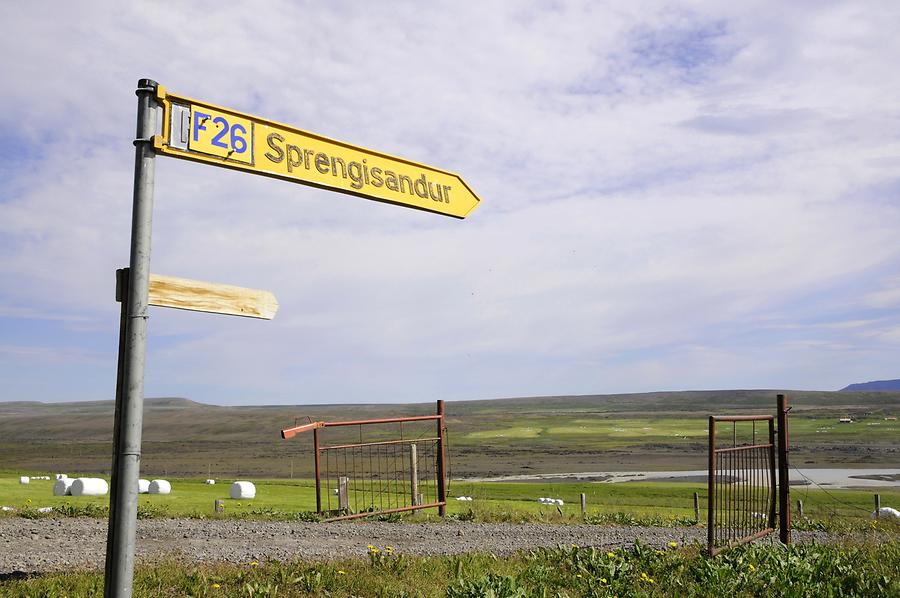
{"x": 756, "y": 570}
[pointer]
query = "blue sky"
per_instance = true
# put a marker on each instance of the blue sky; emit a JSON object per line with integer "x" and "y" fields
{"x": 674, "y": 196}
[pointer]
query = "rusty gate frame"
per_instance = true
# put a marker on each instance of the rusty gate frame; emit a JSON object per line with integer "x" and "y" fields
{"x": 440, "y": 465}
{"x": 741, "y": 458}
{"x": 745, "y": 458}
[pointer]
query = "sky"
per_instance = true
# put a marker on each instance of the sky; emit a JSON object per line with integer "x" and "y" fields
{"x": 674, "y": 195}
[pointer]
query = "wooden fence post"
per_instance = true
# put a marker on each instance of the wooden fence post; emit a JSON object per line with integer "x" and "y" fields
{"x": 413, "y": 474}
{"x": 784, "y": 482}
{"x": 343, "y": 496}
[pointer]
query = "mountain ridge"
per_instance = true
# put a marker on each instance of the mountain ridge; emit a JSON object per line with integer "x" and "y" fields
{"x": 874, "y": 386}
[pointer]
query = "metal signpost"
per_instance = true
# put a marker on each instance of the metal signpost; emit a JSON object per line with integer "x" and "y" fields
{"x": 203, "y": 132}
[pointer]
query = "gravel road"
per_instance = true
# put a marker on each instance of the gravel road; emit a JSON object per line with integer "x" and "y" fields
{"x": 41, "y": 545}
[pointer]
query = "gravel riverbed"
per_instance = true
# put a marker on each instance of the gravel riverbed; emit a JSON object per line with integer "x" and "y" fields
{"x": 41, "y": 545}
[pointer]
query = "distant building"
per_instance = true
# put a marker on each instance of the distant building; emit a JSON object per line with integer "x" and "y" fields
{"x": 846, "y": 420}
{"x": 890, "y": 418}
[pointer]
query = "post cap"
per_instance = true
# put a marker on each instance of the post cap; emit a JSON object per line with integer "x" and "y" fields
{"x": 146, "y": 85}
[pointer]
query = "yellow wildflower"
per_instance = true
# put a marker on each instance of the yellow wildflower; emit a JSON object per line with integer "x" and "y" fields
{"x": 341, "y": 572}
{"x": 254, "y": 563}
{"x": 602, "y": 580}
{"x": 610, "y": 555}
{"x": 389, "y": 548}
{"x": 751, "y": 567}
{"x": 215, "y": 585}
{"x": 673, "y": 544}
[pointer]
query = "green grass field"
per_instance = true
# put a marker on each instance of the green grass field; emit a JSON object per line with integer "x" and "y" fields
{"x": 643, "y": 501}
{"x": 853, "y": 569}
{"x": 651, "y": 431}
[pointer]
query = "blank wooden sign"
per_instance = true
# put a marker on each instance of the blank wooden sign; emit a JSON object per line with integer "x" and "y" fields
{"x": 210, "y": 297}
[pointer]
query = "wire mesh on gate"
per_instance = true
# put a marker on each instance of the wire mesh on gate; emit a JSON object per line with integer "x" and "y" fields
{"x": 741, "y": 487}
{"x": 380, "y": 477}
{"x": 378, "y": 466}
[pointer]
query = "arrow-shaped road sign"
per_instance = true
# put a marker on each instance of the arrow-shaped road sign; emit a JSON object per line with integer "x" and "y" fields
{"x": 200, "y": 131}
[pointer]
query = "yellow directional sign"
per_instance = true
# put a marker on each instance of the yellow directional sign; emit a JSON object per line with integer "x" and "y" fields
{"x": 200, "y": 131}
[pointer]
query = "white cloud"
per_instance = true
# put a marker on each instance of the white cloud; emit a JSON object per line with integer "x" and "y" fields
{"x": 668, "y": 193}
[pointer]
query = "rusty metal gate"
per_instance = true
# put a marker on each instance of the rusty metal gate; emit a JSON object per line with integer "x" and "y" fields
{"x": 742, "y": 485}
{"x": 385, "y": 466}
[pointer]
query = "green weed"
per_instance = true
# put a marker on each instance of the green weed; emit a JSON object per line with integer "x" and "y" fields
{"x": 850, "y": 570}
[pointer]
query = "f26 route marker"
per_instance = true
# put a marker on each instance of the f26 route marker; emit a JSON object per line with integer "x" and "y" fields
{"x": 203, "y": 132}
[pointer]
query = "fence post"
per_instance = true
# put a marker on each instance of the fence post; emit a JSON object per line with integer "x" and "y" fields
{"x": 711, "y": 488}
{"x": 877, "y": 506}
{"x": 800, "y": 508}
{"x": 318, "y": 472}
{"x": 583, "y": 505}
{"x": 219, "y": 505}
{"x": 697, "y": 507}
{"x": 343, "y": 498}
{"x": 442, "y": 491}
{"x": 413, "y": 474}
{"x": 784, "y": 483}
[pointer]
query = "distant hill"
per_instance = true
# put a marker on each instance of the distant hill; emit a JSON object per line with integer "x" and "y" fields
{"x": 874, "y": 386}
{"x": 622, "y": 432}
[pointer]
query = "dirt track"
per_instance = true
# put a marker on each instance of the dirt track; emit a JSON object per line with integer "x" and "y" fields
{"x": 53, "y": 544}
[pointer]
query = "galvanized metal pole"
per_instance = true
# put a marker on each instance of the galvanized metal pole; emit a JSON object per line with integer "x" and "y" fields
{"x": 127, "y": 460}
{"x": 121, "y": 291}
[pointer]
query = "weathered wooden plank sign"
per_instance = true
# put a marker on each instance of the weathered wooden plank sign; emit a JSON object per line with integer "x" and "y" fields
{"x": 203, "y": 132}
{"x": 209, "y": 297}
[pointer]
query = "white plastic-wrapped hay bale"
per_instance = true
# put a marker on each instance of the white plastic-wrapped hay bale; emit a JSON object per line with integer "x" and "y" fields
{"x": 24, "y": 479}
{"x": 210, "y": 482}
{"x": 89, "y": 487}
{"x": 243, "y": 489}
{"x": 63, "y": 487}
{"x": 160, "y": 487}
{"x": 61, "y": 476}
{"x": 886, "y": 513}
{"x": 143, "y": 486}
